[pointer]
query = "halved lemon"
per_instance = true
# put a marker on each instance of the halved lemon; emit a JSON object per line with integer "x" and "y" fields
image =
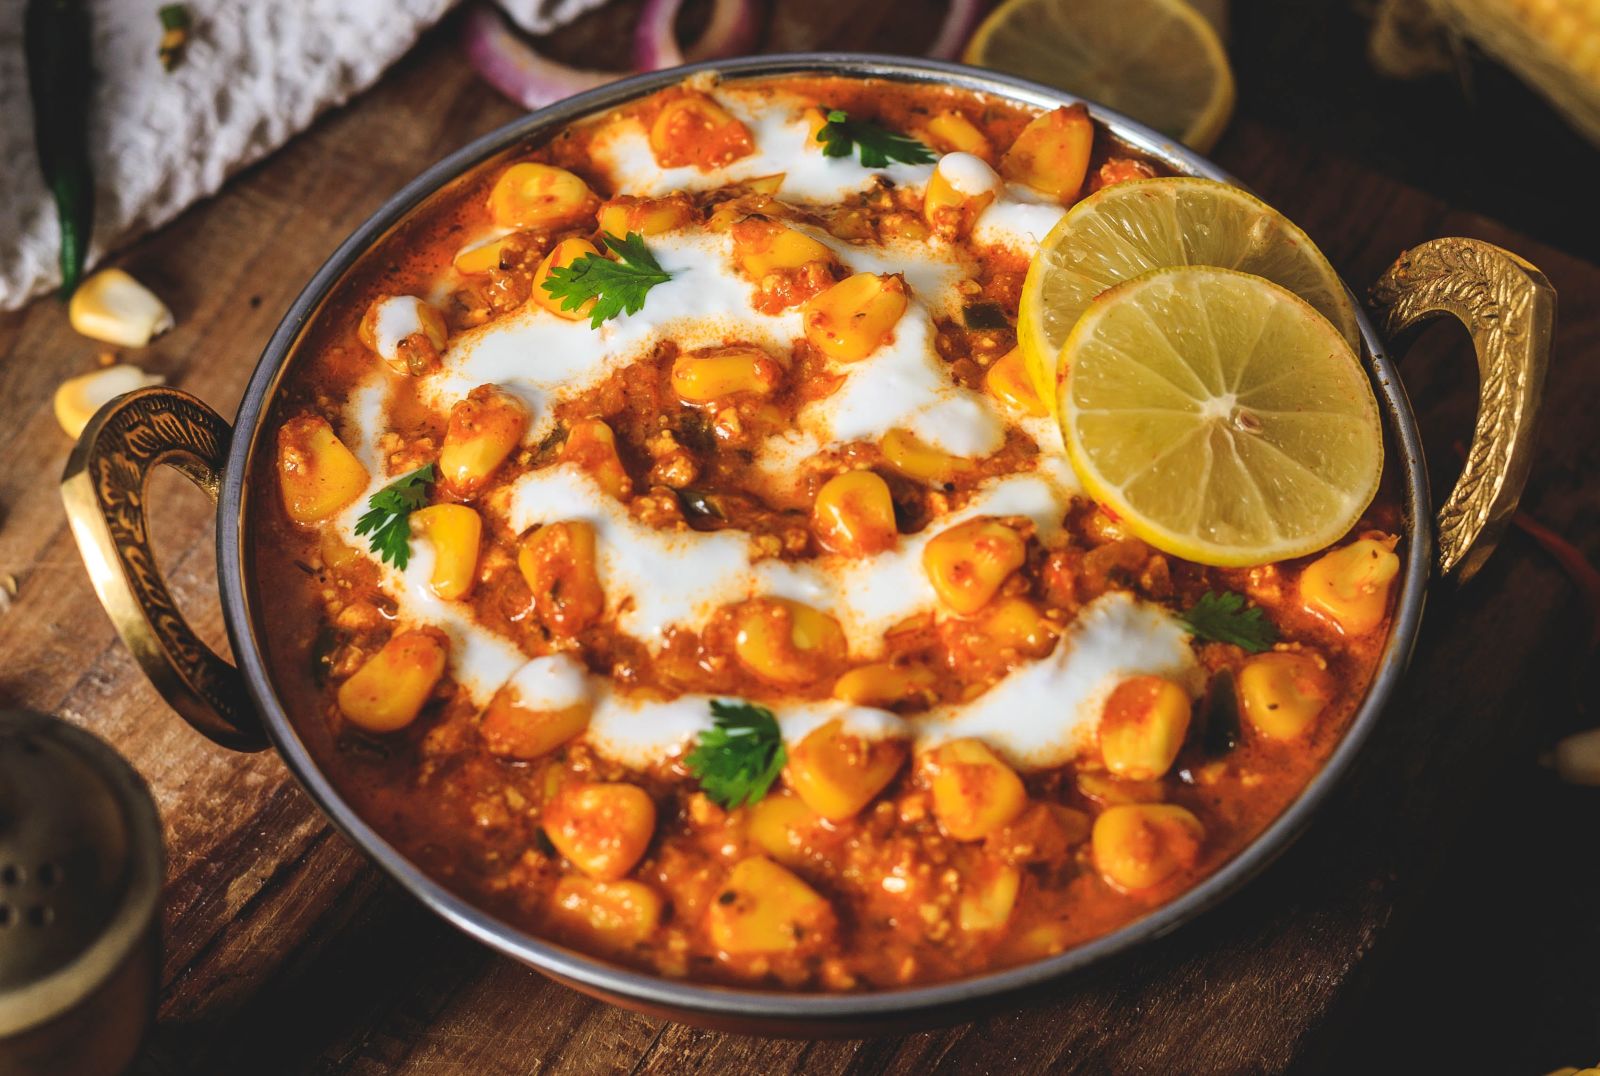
{"x": 1158, "y": 61}
{"x": 1131, "y": 228}
{"x": 1220, "y": 416}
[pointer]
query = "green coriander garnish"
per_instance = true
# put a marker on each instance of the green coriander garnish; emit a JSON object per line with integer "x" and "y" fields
{"x": 388, "y": 516}
{"x": 175, "y": 27}
{"x": 739, "y": 757}
{"x": 877, "y": 146}
{"x": 1224, "y": 618}
{"x": 615, "y": 286}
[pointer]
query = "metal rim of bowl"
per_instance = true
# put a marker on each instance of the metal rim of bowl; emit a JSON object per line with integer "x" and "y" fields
{"x": 785, "y": 1007}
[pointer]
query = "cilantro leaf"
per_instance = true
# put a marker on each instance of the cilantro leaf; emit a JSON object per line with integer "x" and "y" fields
{"x": 1223, "y": 618}
{"x": 877, "y": 146}
{"x": 388, "y": 516}
{"x": 739, "y": 757}
{"x": 615, "y": 286}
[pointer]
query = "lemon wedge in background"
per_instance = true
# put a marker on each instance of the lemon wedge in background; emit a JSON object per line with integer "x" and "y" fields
{"x": 1158, "y": 61}
{"x": 1131, "y": 228}
{"x": 1220, "y": 416}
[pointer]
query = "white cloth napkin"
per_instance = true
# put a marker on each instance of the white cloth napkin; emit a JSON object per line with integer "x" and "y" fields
{"x": 255, "y": 73}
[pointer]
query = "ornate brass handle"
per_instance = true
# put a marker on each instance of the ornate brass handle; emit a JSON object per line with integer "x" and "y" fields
{"x": 1509, "y": 310}
{"x": 103, "y": 489}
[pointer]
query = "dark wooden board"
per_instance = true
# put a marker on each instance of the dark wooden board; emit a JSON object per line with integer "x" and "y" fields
{"x": 288, "y": 952}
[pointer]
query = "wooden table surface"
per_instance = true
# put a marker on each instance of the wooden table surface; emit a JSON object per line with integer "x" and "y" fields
{"x": 286, "y": 951}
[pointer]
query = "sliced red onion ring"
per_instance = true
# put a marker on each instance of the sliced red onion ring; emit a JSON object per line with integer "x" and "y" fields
{"x": 732, "y": 30}
{"x": 514, "y": 68}
{"x": 959, "y": 23}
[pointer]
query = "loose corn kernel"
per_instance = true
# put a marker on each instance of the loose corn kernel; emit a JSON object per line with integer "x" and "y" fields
{"x": 1142, "y": 727}
{"x": 562, "y": 255}
{"x": 317, "y": 474}
{"x": 1282, "y": 693}
{"x": 408, "y": 334}
{"x": 482, "y": 431}
{"x": 695, "y": 130}
{"x": 968, "y": 562}
{"x": 815, "y": 119}
{"x": 1051, "y": 155}
{"x": 854, "y": 515}
{"x": 114, "y": 307}
{"x": 78, "y": 398}
{"x": 766, "y": 184}
{"x": 986, "y": 905}
{"x": 592, "y": 446}
{"x": 910, "y": 456}
{"x": 614, "y": 916}
{"x": 453, "y": 530}
{"x": 646, "y": 216}
{"x": 962, "y": 187}
{"x": 787, "y": 643}
{"x": 335, "y": 552}
{"x": 560, "y": 565}
{"x": 533, "y": 195}
{"x": 479, "y": 258}
{"x": 886, "y": 684}
{"x": 852, "y": 319}
{"x": 1016, "y": 624}
{"x": 764, "y": 909}
{"x": 782, "y": 825}
{"x": 1111, "y": 791}
{"x": 763, "y": 246}
{"x": 715, "y": 373}
{"x": 545, "y": 704}
{"x": 602, "y": 828}
{"x": 951, "y": 132}
{"x": 1350, "y": 586}
{"x": 974, "y": 793}
{"x": 837, "y": 773}
{"x": 388, "y": 692}
{"x": 1008, "y": 382}
{"x": 1140, "y": 845}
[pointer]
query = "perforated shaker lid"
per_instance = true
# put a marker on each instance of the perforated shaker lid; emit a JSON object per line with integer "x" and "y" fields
{"x": 81, "y": 865}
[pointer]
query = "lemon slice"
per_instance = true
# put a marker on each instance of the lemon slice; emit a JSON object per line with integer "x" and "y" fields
{"x": 1130, "y": 228}
{"x": 1158, "y": 61}
{"x": 1225, "y": 420}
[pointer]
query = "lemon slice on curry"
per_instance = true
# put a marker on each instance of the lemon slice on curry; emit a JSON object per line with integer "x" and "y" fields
{"x": 1158, "y": 61}
{"x": 1220, "y": 416}
{"x": 1130, "y": 228}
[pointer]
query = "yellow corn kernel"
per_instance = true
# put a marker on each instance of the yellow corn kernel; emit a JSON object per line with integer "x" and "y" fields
{"x": 974, "y": 793}
{"x": 951, "y": 132}
{"x": 482, "y": 431}
{"x": 1051, "y": 154}
{"x": 1111, "y": 791}
{"x": 987, "y": 904}
{"x": 787, "y": 643}
{"x": 837, "y": 773}
{"x": 317, "y": 474}
{"x": 910, "y": 456}
{"x": 1142, "y": 727}
{"x": 559, "y": 564}
{"x": 694, "y": 130}
{"x": 961, "y": 187}
{"x": 78, "y": 398}
{"x": 1350, "y": 586}
{"x": 766, "y": 184}
{"x": 592, "y": 446}
{"x": 480, "y": 258}
{"x": 388, "y": 692}
{"x": 765, "y": 909}
{"x": 510, "y": 729}
{"x": 1016, "y": 624}
{"x": 114, "y": 307}
{"x": 1008, "y": 382}
{"x": 405, "y": 332}
{"x": 614, "y": 916}
{"x": 885, "y": 684}
{"x": 850, "y": 320}
{"x": 562, "y": 255}
{"x": 815, "y": 120}
{"x": 646, "y": 216}
{"x": 603, "y": 828}
{"x": 764, "y": 246}
{"x": 717, "y": 372}
{"x": 968, "y": 562}
{"x": 1281, "y": 694}
{"x": 782, "y": 826}
{"x": 335, "y": 552}
{"x": 1139, "y": 845}
{"x": 533, "y": 195}
{"x": 453, "y": 530}
{"x": 854, "y": 515}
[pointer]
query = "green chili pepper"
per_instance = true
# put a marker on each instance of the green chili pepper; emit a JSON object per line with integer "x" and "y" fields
{"x": 56, "y": 41}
